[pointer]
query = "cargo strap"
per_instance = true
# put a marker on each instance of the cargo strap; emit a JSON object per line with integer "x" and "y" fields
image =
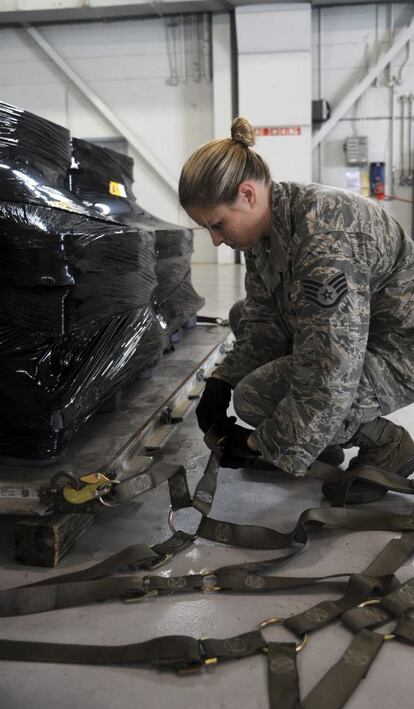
{"x": 182, "y": 653}
{"x": 85, "y": 494}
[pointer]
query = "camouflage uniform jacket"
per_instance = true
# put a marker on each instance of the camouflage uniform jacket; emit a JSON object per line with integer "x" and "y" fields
{"x": 332, "y": 286}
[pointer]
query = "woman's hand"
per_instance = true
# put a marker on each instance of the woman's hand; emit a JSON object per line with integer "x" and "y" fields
{"x": 213, "y": 403}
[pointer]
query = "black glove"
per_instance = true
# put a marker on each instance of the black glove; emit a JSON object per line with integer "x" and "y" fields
{"x": 213, "y": 404}
{"x": 236, "y": 452}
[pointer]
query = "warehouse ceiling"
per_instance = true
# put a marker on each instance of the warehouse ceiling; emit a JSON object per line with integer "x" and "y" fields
{"x": 89, "y": 10}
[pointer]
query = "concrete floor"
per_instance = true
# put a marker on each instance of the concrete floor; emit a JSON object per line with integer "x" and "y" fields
{"x": 244, "y": 497}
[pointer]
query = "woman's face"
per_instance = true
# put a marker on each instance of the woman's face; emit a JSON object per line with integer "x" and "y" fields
{"x": 239, "y": 224}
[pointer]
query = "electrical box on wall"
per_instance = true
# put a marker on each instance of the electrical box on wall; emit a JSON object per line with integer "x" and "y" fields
{"x": 356, "y": 150}
{"x": 321, "y": 110}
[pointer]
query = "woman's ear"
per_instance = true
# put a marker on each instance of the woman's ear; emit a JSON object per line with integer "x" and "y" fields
{"x": 246, "y": 192}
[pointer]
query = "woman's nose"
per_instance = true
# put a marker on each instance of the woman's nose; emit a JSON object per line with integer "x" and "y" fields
{"x": 216, "y": 239}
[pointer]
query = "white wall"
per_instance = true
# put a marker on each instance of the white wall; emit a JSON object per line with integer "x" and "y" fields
{"x": 274, "y": 44}
{"x": 347, "y": 46}
{"x": 126, "y": 64}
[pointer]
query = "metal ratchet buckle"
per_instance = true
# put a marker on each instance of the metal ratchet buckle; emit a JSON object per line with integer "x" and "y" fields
{"x": 280, "y": 621}
{"x": 156, "y": 564}
{"x": 78, "y": 491}
{"x": 376, "y": 602}
{"x": 146, "y": 593}
{"x": 206, "y": 663}
{"x": 209, "y": 583}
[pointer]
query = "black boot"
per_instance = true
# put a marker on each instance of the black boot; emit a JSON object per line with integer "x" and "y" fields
{"x": 383, "y": 445}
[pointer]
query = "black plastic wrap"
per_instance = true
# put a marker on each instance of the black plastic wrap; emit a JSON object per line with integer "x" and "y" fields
{"x": 76, "y": 315}
{"x": 61, "y": 271}
{"x": 50, "y": 387}
{"x": 76, "y": 322}
{"x": 35, "y": 157}
{"x": 102, "y": 179}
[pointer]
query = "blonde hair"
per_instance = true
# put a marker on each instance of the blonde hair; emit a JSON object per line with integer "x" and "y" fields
{"x": 213, "y": 173}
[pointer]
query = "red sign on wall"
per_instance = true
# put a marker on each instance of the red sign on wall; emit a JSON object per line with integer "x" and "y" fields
{"x": 278, "y": 130}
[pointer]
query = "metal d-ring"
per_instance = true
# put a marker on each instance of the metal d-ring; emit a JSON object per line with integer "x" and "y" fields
{"x": 170, "y": 520}
{"x": 103, "y": 492}
{"x": 280, "y": 621}
{"x": 376, "y": 602}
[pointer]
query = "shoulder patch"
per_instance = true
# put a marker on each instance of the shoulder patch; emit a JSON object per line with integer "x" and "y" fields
{"x": 328, "y": 293}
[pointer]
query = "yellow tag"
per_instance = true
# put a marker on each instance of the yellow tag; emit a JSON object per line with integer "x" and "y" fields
{"x": 117, "y": 189}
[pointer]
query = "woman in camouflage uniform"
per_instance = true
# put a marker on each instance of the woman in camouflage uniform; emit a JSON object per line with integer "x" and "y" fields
{"x": 325, "y": 337}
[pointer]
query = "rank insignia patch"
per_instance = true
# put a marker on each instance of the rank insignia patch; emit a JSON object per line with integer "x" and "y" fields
{"x": 326, "y": 294}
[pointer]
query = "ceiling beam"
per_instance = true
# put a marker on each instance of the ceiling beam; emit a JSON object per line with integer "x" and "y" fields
{"x": 141, "y": 149}
{"x": 346, "y": 104}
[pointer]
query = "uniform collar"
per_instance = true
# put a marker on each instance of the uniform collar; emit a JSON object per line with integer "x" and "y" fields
{"x": 280, "y": 228}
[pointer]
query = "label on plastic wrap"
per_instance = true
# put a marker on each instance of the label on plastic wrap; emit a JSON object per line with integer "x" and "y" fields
{"x": 117, "y": 189}
{"x": 14, "y": 493}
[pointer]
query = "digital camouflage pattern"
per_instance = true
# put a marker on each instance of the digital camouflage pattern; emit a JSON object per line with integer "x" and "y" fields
{"x": 329, "y": 320}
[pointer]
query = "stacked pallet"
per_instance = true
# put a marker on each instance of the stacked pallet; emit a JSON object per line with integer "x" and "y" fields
{"x": 102, "y": 179}
{"x": 76, "y": 316}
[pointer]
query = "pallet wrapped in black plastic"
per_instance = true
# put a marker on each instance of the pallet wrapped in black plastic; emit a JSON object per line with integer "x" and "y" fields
{"x": 35, "y": 157}
{"x": 76, "y": 321}
{"x": 102, "y": 179}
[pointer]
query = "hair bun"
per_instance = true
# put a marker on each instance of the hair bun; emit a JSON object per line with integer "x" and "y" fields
{"x": 242, "y": 131}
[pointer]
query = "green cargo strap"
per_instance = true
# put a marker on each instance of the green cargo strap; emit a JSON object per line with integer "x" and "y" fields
{"x": 91, "y": 585}
{"x": 360, "y": 587}
{"x": 176, "y": 652}
{"x": 405, "y": 630}
{"x": 338, "y": 684}
{"x": 234, "y": 648}
{"x": 401, "y": 600}
{"x": 282, "y": 676}
{"x": 370, "y": 616}
{"x": 256, "y": 537}
{"x": 381, "y": 610}
{"x": 179, "y": 493}
{"x": 341, "y": 484}
{"x": 135, "y": 485}
{"x": 206, "y": 488}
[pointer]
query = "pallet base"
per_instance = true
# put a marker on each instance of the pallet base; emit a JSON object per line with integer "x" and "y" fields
{"x": 43, "y": 541}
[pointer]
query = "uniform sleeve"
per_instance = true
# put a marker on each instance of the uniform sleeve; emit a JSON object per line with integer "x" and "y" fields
{"x": 330, "y": 295}
{"x": 262, "y": 336}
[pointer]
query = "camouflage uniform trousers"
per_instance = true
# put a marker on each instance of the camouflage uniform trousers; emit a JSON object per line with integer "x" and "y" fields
{"x": 256, "y": 397}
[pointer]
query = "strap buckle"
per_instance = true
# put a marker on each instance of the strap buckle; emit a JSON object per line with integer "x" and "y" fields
{"x": 156, "y": 564}
{"x": 147, "y": 592}
{"x": 209, "y": 583}
{"x": 280, "y": 621}
{"x": 205, "y": 662}
{"x": 376, "y": 602}
{"x": 70, "y": 490}
{"x": 139, "y": 599}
